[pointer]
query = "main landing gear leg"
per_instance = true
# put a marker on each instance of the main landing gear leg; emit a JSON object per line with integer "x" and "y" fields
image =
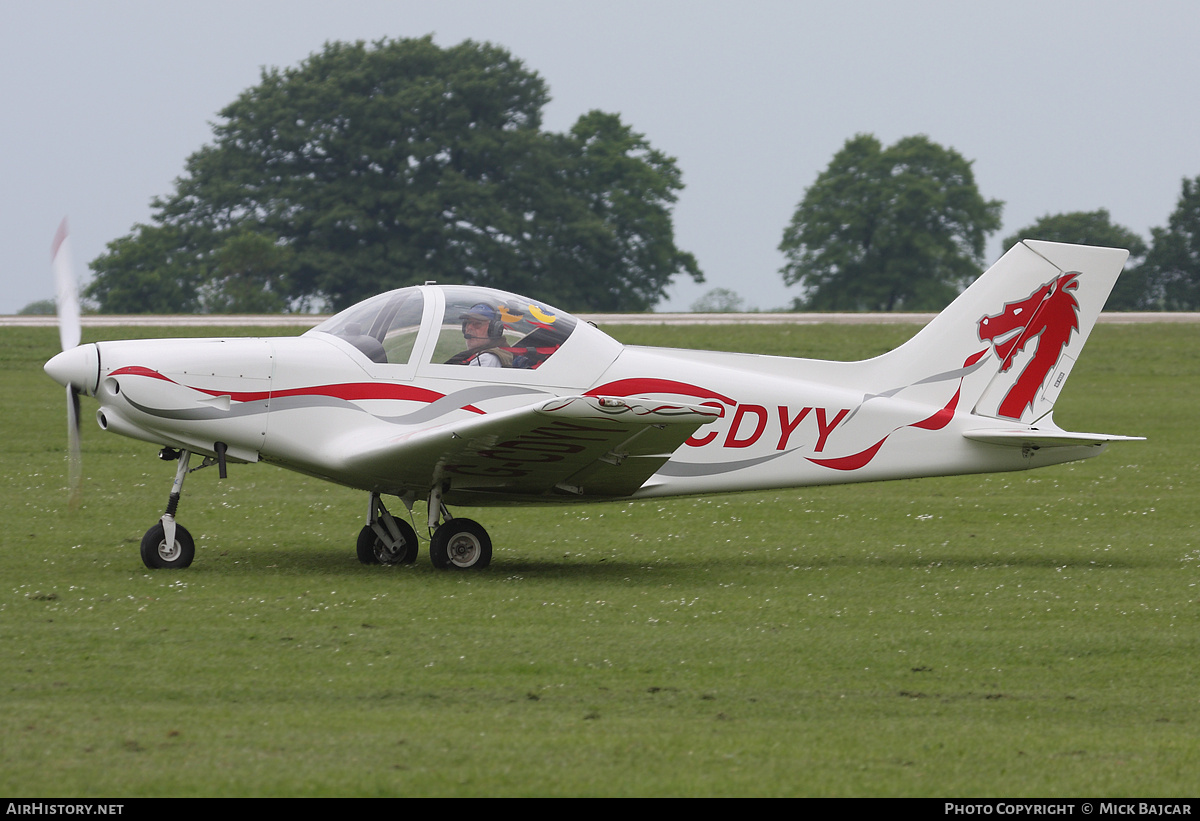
{"x": 386, "y": 539}
{"x": 456, "y": 543}
{"x": 167, "y": 544}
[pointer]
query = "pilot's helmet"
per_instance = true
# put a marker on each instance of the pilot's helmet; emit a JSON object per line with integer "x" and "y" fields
{"x": 485, "y": 313}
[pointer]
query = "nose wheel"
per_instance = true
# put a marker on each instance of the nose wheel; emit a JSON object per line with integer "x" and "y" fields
{"x": 158, "y": 555}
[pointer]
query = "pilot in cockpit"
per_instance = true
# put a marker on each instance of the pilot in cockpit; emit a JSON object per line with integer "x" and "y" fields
{"x": 484, "y": 331}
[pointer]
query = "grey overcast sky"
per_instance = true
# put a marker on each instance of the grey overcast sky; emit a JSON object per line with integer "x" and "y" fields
{"x": 1062, "y": 105}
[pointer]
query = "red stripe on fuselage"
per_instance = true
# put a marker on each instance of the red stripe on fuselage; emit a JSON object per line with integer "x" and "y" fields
{"x": 642, "y": 386}
{"x": 349, "y": 391}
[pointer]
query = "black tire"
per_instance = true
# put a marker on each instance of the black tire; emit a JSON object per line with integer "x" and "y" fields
{"x": 371, "y": 550}
{"x": 157, "y": 556}
{"x": 460, "y": 544}
{"x": 366, "y": 546}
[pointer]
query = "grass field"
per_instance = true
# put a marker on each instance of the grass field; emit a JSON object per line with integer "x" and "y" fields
{"x": 1029, "y": 634}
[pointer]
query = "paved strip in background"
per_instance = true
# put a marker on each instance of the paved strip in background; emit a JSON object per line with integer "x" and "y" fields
{"x": 309, "y": 320}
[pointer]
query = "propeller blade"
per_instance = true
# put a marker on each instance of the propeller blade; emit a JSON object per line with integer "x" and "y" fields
{"x": 74, "y": 453}
{"x": 66, "y": 288}
{"x": 66, "y": 296}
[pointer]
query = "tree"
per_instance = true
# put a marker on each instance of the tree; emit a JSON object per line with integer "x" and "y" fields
{"x": 1094, "y": 228}
{"x": 620, "y": 242}
{"x": 250, "y": 275}
{"x": 151, "y": 271}
{"x": 1171, "y": 271}
{"x": 1082, "y": 228}
{"x": 370, "y": 167}
{"x": 39, "y": 307}
{"x": 888, "y": 229}
{"x": 719, "y": 301}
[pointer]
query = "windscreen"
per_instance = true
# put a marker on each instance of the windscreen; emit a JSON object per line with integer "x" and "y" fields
{"x": 384, "y": 327}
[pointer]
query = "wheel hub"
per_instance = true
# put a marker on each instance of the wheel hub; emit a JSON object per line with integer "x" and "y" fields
{"x": 169, "y": 554}
{"x": 386, "y": 555}
{"x": 463, "y": 549}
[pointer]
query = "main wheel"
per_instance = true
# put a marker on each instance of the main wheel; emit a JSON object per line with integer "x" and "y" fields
{"x": 372, "y": 550}
{"x": 156, "y": 554}
{"x": 460, "y": 544}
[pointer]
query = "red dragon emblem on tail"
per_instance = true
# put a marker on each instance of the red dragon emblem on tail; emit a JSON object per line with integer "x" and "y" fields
{"x": 1049, "y": 315}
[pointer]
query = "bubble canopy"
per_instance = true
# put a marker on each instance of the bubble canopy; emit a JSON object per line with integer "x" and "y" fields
{"x": 387, "y": 328}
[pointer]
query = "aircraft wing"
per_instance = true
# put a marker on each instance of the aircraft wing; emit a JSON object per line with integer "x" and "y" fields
{"x": 582, "y": 446}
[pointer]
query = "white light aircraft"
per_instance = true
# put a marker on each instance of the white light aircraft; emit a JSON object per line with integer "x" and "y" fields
{"x": 459, "y": 395}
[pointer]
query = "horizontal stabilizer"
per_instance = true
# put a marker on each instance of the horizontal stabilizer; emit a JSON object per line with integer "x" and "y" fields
{"x": 1034, "y": 438}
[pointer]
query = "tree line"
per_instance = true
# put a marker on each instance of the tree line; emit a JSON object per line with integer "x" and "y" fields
{"x": 374, "y": 166}
{"x": 903, "y": 228}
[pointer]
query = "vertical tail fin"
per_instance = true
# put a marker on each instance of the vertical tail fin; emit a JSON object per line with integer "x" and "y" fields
{"x": 1012, "y": 336}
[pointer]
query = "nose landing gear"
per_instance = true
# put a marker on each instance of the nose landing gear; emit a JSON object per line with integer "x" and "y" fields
{"x": 168, "y": 545}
